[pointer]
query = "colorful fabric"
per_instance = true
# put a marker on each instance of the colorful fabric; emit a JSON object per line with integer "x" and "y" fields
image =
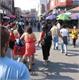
{"x": 29, "y": 44}
{"x": 74, "y": 34}
{"x": 12, "y": 37}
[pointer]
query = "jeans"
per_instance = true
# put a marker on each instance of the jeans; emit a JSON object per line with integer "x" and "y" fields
{"x": 55, "y": 40}
{"x": 64, "y": 44}
{"x": 63, "y": 48}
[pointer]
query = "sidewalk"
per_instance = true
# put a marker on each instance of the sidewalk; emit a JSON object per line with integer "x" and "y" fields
{"x": 60, "y": 67}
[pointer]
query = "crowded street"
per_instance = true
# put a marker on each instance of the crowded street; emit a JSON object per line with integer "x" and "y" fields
{"x": 39, "y": 39}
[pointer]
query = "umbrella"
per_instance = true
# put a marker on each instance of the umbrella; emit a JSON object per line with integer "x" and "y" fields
{"x": 50, "y": 17}
{"x": 74, "y": 16}
{"x": 63, "y": 17}
{"x": 12, "y": 16}
{"x": 68, "y": 13}
{"x": 6, "y": 17}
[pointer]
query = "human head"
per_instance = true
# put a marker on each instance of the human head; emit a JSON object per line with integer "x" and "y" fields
{"x": 29, "y": 30}
{"x": 4, "y": 40}
{"x": 55, "y": 23}
{"x": 44, "y": 28}
{"x": 64, "y": 26}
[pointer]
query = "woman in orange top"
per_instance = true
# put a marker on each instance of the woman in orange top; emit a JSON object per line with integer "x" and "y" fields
{"x": 30, "y": 40}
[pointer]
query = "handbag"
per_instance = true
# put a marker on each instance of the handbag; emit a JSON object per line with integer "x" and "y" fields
{"x": 19, "y": 42}
{"x": 42, "y": 42}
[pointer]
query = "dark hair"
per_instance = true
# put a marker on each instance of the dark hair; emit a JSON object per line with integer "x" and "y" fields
{"x": 45, "y": 27}
{"x": 4, "y": 36}
{"x": 29, "y": 30}
{"x": 64, "y": 26}
{"x": 4, "y": 39}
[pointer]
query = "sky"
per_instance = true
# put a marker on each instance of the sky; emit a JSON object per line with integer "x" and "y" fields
{"x": 27, "y": 4}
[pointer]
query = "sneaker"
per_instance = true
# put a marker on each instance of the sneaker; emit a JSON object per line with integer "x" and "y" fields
{"x": 30, "y": 69}
{"x": 62, "y": 51}
{"x": 66, "y": 53}
{"x": 56, "y": 48}
{"x": 48, "y": 61}
{"x": 45, "y": 62}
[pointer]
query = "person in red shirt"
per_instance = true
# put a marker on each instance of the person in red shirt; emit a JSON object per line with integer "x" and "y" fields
{"x": 12, "y": 39}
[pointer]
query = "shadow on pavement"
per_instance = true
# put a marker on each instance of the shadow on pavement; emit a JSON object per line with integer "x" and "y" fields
{"x": 73, "y": 53}
{"x": 53, "y": 71}
{"x": 74, "y": 50}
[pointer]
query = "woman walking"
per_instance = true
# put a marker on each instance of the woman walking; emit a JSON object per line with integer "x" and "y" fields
{"x": 46, "y": 41}
{"x": 30, "y": 40}
{"x": 74, "y": 35}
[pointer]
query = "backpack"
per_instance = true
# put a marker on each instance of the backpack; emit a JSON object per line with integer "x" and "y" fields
{"x": 48, "y": 38}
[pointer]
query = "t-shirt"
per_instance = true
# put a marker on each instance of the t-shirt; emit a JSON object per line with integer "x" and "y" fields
{"x": 12, "y": 37}
{"x": 12, "y": 70}
{"x": 64, "y": 32}
{"x": 74, "y": 34}
{"x": 54, "y": 30}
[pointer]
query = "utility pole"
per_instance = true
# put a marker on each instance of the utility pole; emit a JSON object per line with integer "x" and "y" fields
{"x": 13, "y": 9}
{"x": 46, "y": 5}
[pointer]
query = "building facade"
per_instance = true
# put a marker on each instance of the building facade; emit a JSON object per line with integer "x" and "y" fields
{"x": 63, "y": 4}
{"x": 7, "y": 6}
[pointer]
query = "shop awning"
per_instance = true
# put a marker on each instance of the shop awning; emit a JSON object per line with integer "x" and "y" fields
{"x": 76, "y": 9}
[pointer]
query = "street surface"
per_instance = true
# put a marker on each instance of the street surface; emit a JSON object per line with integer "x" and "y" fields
{"x": 60, "y": 66}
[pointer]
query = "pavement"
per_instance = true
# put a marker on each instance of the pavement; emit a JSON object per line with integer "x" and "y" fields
{"x": 59, "y": 67}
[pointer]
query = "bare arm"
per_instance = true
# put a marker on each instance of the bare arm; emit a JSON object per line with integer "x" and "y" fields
{"x": 22, "y": 36}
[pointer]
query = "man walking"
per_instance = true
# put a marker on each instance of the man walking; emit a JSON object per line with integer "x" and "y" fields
{"x": 64, "y": 36}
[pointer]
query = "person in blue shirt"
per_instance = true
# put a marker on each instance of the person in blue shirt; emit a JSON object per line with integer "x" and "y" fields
{"x": 10, "y": 69}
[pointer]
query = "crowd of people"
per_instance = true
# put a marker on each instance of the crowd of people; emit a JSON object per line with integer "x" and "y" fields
{"x": 20, "y": 47}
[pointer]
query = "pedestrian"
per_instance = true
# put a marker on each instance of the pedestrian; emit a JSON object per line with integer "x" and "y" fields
{"x": 64, "y": 37}
{"x": 46, "y": 41}
{"x": 11, "y": 43}
{"x": 74, "y": 35}
{"x": 10, "y": 69}
{"x": 29, "y": 39}
{"x": 54, "y": 31}
{"x": 12, "y": 39}
{"x": 58, "y": 25}
{"x": 38, "y": 25}
{"x": 20, "y": 27}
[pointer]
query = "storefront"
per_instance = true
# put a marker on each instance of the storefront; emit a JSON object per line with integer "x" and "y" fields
{"x": 63, "y": 4}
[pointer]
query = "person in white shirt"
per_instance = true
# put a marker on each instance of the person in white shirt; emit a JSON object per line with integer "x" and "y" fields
{"x": 10, "y": 69}
{"x": 64, "y": 37}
